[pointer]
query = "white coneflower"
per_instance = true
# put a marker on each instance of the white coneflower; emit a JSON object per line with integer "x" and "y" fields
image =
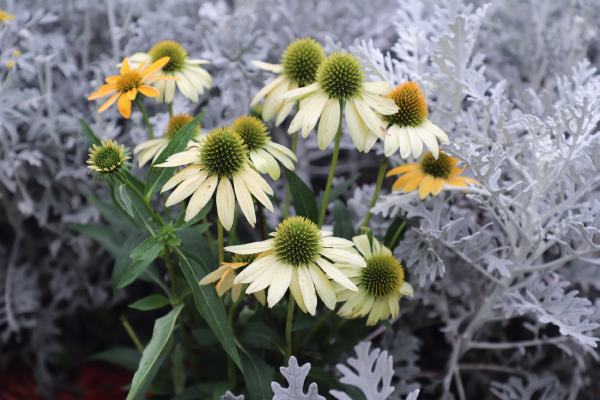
{"x": 409, "y": 127}
{"x": 220, "y": 156}
{"x": 298, "y": 258}
{"x": 341, "y": 78}
{"x": 193, "y": 79}
{"x": 380, "y": 284}
{"x": 298, "y": 67}
{"x": 263, "y": 152}
{"x": 151, "y": 149}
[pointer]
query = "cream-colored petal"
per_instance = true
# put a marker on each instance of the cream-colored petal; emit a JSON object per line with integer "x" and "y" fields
{"x": 169, "y": 91}
{"x": 381, "y": 88}
{"x": 186, "y": 188}
{"x": 382, "y": 105}
{"x": 373, "y": 122}
{"x": 254, "y": 270}
{"x": 363, "y": 309}
{"x": 330, "y": 121}
{"x": 225, "y": 203}
{"x": 300, "y": 92}
{"x": 407, "y": 289}
{"x": 286, "y": 108}
{"x": 392, "y": 140}
{"x": 363, "y": 245}
{"x": 244, "y": 199}
{"x": 185, "y": 157}
{"x": 295, "y": 290}
{"x": 314, "y": 110}
{"x": 251, "y": 248}
{"x": 236, "y": 291}
{"x": 264, "y": 91}
{"x": 334, "y": 273}
{"x": 437, "y": 131}
{"x": 262, "y": 184}
{"x": 405, "y": 146}
{"x": 182, "y": 175}
{"x": 352, "y": 303}
{"x": 147, "y": 154}
{"x": 159, "y": 151}
{"x": 336, "y": 242}
{"x": 273, "y": 103}
{"x": 298, "y": 120}
{"x": 284, "y": 150}
{"x": 343, "y": 256}
{"x": 276, "y": 68}
{"x": 201, "y": 197}
{"x": 322, "y": 285}
{"x": 356, "y": 126}
{"x": 307, "y": 287}
{"x": 261, "y": 297}
{"x": 264, "y": 279}
{"x": 429, "y": 139}
{"x": 149, "y": 143}
{"x": 375, "y": 314}
{"x": 226, "y": 282}
{"x": 281, "y": 157}
{"x": 415, "y": 141}
{"x": 186, "y": 87}
{"x": 370, "y": 141}
{"x": 394, "y": 306}
{"x": 268, "y": 163}
{"x": 215, "y": 275}
{"x": 256, "y": 191}
{"x": 279, "y": 284}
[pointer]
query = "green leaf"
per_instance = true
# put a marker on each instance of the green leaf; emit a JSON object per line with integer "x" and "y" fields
{"x": 196, "y": 392}
{"x": 204, "y": 337}
{"x": 88, "y": 133}
{"x": 123, "y": 199}
{"x": 132, "y": 273}
{"x": 395, "y": 233}
{"x": 149, "y": 249}
{"x": 157, "y": 176}
{"x": 177, "y": 370}
{"x": 337, "y": 190}
{"x": 387, "y": 326}
{"x": 110, "y": 240}
{"x": 257, "y": 375}
{"x": 151, "y": 302}
{"x": 201, "y": 228}
{"x": 123, "y": 356}
{"x": 122, "y": 261}
{"x": 141, "y": 216}
{"x": 342, "y": 226}
{"x": 221, "y": 388}
{"x": 195, "y": 243}
{"x": 180, "y": 222}
{"x": 305, "y": 321}
{"x": 208, "y": 302}
{"x": 304, "y": 199}
{"x": 163, "y": 329}
{"x": 111, "y": 214}
{"x": 261, "y": 335}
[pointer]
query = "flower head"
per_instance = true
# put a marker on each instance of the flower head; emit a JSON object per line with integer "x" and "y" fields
{"x": 220, "y": 157}
{"x": 126, "y": 86}
{"x": 298, "y": 257}
{"x": 262, "y": 151}
{"x": 409, "y": 128}
{"x": 192, "y": 78}
{"x": 298, "y": 68}
{"x": 227, "y": 273}
{"x": 108, "y": 160}
{"x": 340, "y": 78}
{"x": 380, "y": 284}
{"x": 4, "y": 16}
{"x": 151, "y": 149}
{"x": 430, "y": 175}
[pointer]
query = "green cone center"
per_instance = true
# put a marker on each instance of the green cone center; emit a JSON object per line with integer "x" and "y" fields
{"x": 176, "y": 122}
{"x": 301, "y": 60}
{"x": 298, "y": 241}
{"x": 383, "y": 275}
{"x": 252, "y": 130}
{"x": 169, "y": 48}
{"x": 341, "y": 76}
{"x": 107, "y": 157}
{"x": 440, "y": 168}
{"x": 223, "y": 153}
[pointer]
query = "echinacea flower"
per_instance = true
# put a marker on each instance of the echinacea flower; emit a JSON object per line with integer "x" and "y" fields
{"x": 430, "y": 175}
{"x": 298, "y": 68}
{"x": 263, "y": 152}
{"x": 192, "y": 78}
{"x": 297, "y": 257}
{"x": 341, "y": 78}
{"x": 108, "y": 160}
{"x": 380, "y": 284}
{"x": 219, "y": 157}
{"x": 151, "y": 149}
{"x": 126, "y": 86}
{"x": 4, "y": 16}
{"x": 227, "y": 273}
{"x": 409, "y": 127}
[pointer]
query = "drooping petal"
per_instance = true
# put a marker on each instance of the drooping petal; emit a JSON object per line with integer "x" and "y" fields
{"x": 336, "y": 242}
{"x": 264, "y": 278}
{"x": 186, "y": 188}
{"x": 252, "y": 185}
{"x": 356, "y": 126}
{"x": 273, "y": 103}
{"x": 407, "y": 289}
{"x": 225, "y": 203}
{"x": 281, "y": 157}
{"x": 392, "y": 140}
{"x": 244, "y": 198}
{"x": 438, "y": 185}
{"x": 307, "y": 287}
{"x": 226, "y": 282}
{"x": 413, "y": 183}
{"x": 436, "y": 130}
{"x": 254, "y": 270}
{"x": 279, "y": 284}
{"x": 182, "y": 175}
{"x": 322, "y": 285}
{"x": 415, "y": 141}
{"x": 343, "y": 256}
{"x": 382, "y": 105}
{"x": 426, "y": 186}
{"x": 149, "y": 143}
{"x": 201, "y": 197}
{"x": 148, "y": 91}
{"x": 405, "y": 146}
{"x": 260, "y": 296}
{"x": 262, "y": 184}
{"x": 373, "y": 122}
{"x": 286, "y": 107}
{"x": 429, "y": 139}
{"x": 334, "y": 273}
{"x": 215, "y": 275}
{"x": 267, "y": 89}
{"x": 295, "y": 290}
{"x": 381, "y": 88}
{"x": 124, "y": 105}
{"x": 300, "y": 92}
{"x": 251, "y": 248}
{"x": 185, "y": 157}
{"x": 314, "y": 109}
{"x": 330, "y": 121}
{"x": 109, "y": 102}
{"x": 363, "y": 245}
{"x": 276, "y": 68}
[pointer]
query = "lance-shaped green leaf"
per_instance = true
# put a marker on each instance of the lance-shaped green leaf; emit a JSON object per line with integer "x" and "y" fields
{"x": 260, "y": 335}
{"x": 123, "y": 198}
{"x": 257, "y": 375}
{"x": 163, "y": 329}
{"x": 111, "y": 214}
{"x": 180, "y": 222}
{"x": 122, "y": 261}
{"x": 208, "y": 302}
{"x": 110, "y": 240}
{"x": 151, "y": 302}
{"x": 304, "y": 199}
{"x": 123, "y": 356}
{"x": 149, "y": 249}
{"x": 343, "y": 221}
{"x": 177, "y": 370}
{"x": 88, "y": 133}
{"x": 133, "y": 271}
{"x": 157, "y": 176}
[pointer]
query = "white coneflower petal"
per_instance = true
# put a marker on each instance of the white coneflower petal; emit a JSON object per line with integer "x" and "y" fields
{"x": 295, "y": 290}
{"x": 263, "y": 92}
{"x": 380, "y": 104}
{"x": 186, "y": 188}
{"x": 374, "y": 316}
{"x": 149, "y": 154}
{"x": 322, "y": 285}
{"x": 313, "y": 112}
{"x": 225, "y": 203}
{"x": 373, "y": 122}
{"x": 394, "y": 306}
{"x": 286, "y": 107}
{"x": 215, "y": 275}
{"x": 263, "y": 280}
{"x": 251, "y": 248}
{"x": 265, "y": 163}
{"x": 281, "y": 157}
{"x": 276, "y": 68}
{"x": 392, "y": 140}
{"x": 201, "y": 197}
{"x": 262, "y": 184}
{"x": 284, "y": 150}
{"x": 181, "y": 176}
{"x": 169, "y": 91}
{"x": 244, "y": 199}
{"x": 405, "y": 147}
{"x": 335, "y": 274}
{"x": 381, "y": 88}
{"x": 407, "y": 289}
{"x": 356, "y": 126}
{"x": 280, "y": 283}
{"x": 307, "y": 288}
{"x": 330, "y": 120}
{"x": 300, "y": 92}
{"x": 253, "y": 271}
{"x": 361, "y": 310}
{"x": 252, "y": 185}
{"x": 226, "y": 282}
{"x": 344, "y": 256}
{"x": 363, "y": 245}
{"x": 436, "y": 130}
{"x": 148, "y": 143}
{"x": 273, "y": 103}
{"x": 185, "y": 157}
{"x": 430, "y": 140}
{"x": 236, "y": 291}
{"x": 337, "y": 242}
{"x": 415, "y": 141}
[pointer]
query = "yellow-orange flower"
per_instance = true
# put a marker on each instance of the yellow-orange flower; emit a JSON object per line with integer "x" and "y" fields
{"x": 126, "y": 86}
{"x": 4, "y": 16}
{"x": 430, "y": 175}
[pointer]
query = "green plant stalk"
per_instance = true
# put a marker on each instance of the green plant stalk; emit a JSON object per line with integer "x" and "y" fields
{"x": 167, "y": 211}
{"x": 132, "y": 334}
{"x": 144, "y": 201}
{"x": 399, "y": 231}
{"x": 143, "y": 110}
{"x": 170, "y": 106}
{"x": 334, "y": 160}
{"x": 188, "y": 348}
{"x": 208, "y": 236}
{"x": 286, "y": 209}
{"x": 170, "y": 268}
{"x": 231, "y": 369}
{"x": 261, "y": 221}
{"x": 314, "y": 329}
{"x": 380, "y": 176}
{"x": 288, "y": 329}
{"x": 220, "y": 237}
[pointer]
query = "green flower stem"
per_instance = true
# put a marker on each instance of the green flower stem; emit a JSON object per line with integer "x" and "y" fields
{"x": 398, "y": 232}
{"x": 144, "y": 201}
{"x": 132, "y": 334}
{"x": 188, "y": 348}
{"x": 288, "y": 330}
{"x": 234, "y": 305}
{"x": 220, "y": 236}
{"x": 167, "y": 258}
{"x": 334, "y": 160}
{"x": 288, "y": 193}
{"x": 167, "y": 211}
{"x": 261, "y": 221}
{"x": 143, "y": 110}
{"x": 380, "y": 176}
{"x": 314, "y": 329}
{"x": 170, "y": 106}
{"x": 208, "y": 236}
